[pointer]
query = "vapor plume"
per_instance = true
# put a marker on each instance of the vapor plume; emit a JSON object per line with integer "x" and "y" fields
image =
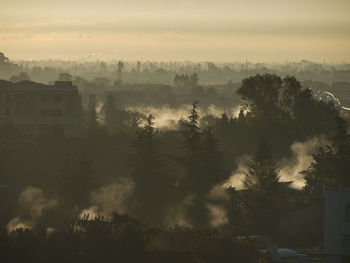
{"x": 32, "y": 202}
{"x": 289, "y": 168}
{"x": 300, "y": 161}
{"x": 177, "y": 214}
{"x": 237, "y": 176}
{"x": 111, "y": 198}
{"x": 218, "y": 215}
{"x": 217, "y": 211}
{"x": 167, "y": 118}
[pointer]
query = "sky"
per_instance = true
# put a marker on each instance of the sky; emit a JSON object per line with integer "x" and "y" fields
{"x": 196, "y": 30}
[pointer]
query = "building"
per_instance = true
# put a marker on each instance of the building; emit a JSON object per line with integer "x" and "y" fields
{"x": 337, "y": 225}
{"x": 39, "y": 109}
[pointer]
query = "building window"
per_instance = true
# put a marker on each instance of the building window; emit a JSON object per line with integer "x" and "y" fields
{"x": 347, "y": 213}
{"x": 45, "y": 98}
{"x": 8, "y": 97}
{"x": 7, "y": 112}
{"x": 57, "y": 98}
{"x": 45, "y": 113}
{"x": 56, "y": 113}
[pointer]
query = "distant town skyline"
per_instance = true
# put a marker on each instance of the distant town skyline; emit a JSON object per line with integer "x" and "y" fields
{"x": 222, "y": 30}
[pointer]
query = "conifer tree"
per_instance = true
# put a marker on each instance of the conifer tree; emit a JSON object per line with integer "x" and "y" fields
{"x": 212, "y": 162}
{"x": 331, "y": 166}
{"x": 76, "y": 180}
{"x": 192, "y": 135}
{"x": 152, "y": 185}
{"x": 261, "y": 196}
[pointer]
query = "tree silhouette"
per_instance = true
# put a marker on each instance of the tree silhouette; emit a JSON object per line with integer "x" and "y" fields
{"x": 3, "y": 58}
{"x": 152, "y": 185}
{"x": 64, "y": 76}
{"x": 261, "y": 93}
{"x": 331, "y": 165}
{"x": 212, "y": 161}
{"x": 76, "y": 180}
{"x": 20, "y": 77}
{"x": 261, "y": 196}
{"x": 192, "y": 135}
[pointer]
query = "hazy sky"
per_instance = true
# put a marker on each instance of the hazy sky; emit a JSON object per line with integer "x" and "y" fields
{"x": 220, "y": 30}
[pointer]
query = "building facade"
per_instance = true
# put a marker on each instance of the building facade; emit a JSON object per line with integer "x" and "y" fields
{"x": 337, "y": 225}
{"x": 39, "y": 109}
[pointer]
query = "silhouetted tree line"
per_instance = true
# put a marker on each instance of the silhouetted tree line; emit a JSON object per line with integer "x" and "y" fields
{"x": 176, "y": 172}
{"x": 123, "y": 239}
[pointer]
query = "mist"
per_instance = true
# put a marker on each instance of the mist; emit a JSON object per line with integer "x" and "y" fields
{"x": 161, "y": 131}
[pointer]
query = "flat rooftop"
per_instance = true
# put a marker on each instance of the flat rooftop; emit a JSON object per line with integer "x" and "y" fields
{"x": 31, "y": 85}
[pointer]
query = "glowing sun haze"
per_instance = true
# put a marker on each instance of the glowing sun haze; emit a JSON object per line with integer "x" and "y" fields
{"x": 220, "y": 30}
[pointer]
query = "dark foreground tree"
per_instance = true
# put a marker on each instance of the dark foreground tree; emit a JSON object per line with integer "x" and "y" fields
{"x": 331, "y": 166}
{"x": 76, "y": 181}
{"x": 261, "y": 195}
{"x": 152, "y": 185}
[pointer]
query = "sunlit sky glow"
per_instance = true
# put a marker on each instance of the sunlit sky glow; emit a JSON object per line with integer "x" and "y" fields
{"x": 220, "y": 30}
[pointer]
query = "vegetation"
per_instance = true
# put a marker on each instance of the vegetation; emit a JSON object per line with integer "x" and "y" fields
{"x": 158, "y": 194}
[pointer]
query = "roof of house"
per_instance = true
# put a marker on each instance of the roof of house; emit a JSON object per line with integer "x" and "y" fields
{"x": 27, "y": 84}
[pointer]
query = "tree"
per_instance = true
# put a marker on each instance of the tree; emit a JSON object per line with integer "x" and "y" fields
{"x": 152, "y": 185}
{"x": 262, "y": 172}
{"x": 291, "y": 89}
{"x": 261, "y": 197}
{"x": 64, "y": 76}
{"x": 194, "y": 79}
{"x": 203, "y": 165}
{"x": 260, "y": 94}
{"x": 20, "y": 77}
{"x": 331, "y": 166}
{"x": 3, "y": 58}
{"x": 76, "y": 180}
{"x": 192, "y": 135}
{"x": 212, "y": 161}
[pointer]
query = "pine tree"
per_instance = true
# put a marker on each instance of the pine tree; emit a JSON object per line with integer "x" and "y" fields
{"x": 76, "y": 180}
{"x": 262, "y": 172}
{"x": 331, "y": 166}
{"x": 192, "y": 135}
{"x": 212, "y": 162}
{"x": 152, "y": 186}
{"x": 261, "y": 196}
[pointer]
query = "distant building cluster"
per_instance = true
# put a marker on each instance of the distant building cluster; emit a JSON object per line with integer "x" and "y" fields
{"x": 38, "y": 109}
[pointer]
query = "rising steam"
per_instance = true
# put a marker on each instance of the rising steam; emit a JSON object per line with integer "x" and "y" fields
{"x": 109, "y": 199}
{"x": 301, "y": 160}
{"x": 32, "y": 202}
{"x": 289, "y": 168}
{"x": 218, "y": 212}
{"x": 168, "y": 118}
{"x": 177, "y": 214}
